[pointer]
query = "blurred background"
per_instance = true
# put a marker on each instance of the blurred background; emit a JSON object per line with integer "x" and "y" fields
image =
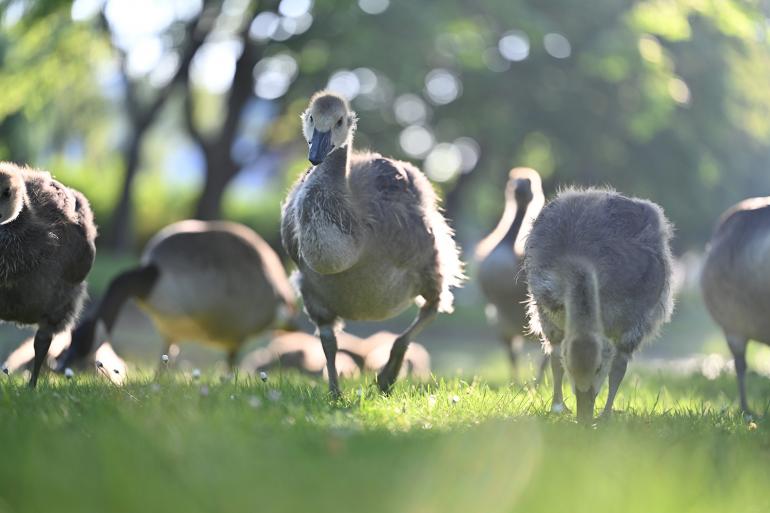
{"x": 160, "y": 110}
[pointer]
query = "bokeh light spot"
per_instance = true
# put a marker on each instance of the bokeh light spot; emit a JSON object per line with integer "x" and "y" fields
{"x": 442, "y": 86}
{"x": 443, "y": 163}
{"x": 557, "y": 46}
{"x": 514, "y": 45}
{"x": 416, "y": 140}
{"x": 374, "y": 6}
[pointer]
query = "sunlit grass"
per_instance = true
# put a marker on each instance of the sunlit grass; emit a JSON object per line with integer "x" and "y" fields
{"x": 209, "y": 444}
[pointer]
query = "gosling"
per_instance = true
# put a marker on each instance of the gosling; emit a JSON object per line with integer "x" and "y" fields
{"x": 598, "y": 266}
{"x": 47, "y": 233}
{"x": 367, "y": 237}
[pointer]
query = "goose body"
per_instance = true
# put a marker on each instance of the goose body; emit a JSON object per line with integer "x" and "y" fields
{"x": 216, "y": 283}
{"x": 366, "y": 235}
{"x": 500, "y": 257}
{"x": 735, "y": 280}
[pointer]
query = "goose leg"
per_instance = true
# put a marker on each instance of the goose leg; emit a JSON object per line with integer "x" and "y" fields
{"x": 389, "y": 373}
{"x": 232, "y": 359}
{"x": 42, "y": 342}
{"x": 513, "y": 345}
{"x": 329, "y": 343}
{"x": 738, "y": 348}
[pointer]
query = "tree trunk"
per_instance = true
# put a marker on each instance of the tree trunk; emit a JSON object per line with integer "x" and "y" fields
{"x": 119, "y": 236}
{"x": 220, "y": 170}
{"x": 210, "y": 201}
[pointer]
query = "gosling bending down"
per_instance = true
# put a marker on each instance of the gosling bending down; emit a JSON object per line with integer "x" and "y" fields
{"x": 598, "y": 266}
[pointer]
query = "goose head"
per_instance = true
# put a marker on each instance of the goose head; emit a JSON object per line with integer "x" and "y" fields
{"x": 524, "y": 185}
{"x": 12, "y": 193}
{"x": 327, "y": 123}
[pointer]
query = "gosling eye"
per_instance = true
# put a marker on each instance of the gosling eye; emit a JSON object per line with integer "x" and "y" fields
{"x": 7, "y": 192}
{"x": 339, "y": 123}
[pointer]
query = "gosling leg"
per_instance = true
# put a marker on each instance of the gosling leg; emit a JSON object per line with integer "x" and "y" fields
{"x": 617, "y": 373}
{"x": 329, "y": 343}
{"x": 389, "y": 373}
{"x": 557, "y": 403}
{"x": 42, "y": 342}
{"x": 737, "y": 346}
{"x": 541, "y": 369}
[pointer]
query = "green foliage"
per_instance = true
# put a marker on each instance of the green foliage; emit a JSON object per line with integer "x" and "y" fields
{"x": 666, "y": 99}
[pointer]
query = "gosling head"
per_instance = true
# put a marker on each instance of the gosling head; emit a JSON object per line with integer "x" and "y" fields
{"x": 587, "y": 360}
{"x": 524, "y": 185}
{"x": 328, "y": 123}
{"x": 12, "y": 192}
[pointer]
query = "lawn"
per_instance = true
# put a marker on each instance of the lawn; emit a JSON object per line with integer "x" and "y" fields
{"x": 451, "y": 445}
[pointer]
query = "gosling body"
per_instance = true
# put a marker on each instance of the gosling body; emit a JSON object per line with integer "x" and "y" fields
{"x": 367, "y": 236}
{"x": 47, "y": 234}
{"x": 598, "y": 266}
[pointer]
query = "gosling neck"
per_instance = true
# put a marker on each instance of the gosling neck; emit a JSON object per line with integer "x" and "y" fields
{"x": 336, "y": 165}
{"x": 582, "y": 309}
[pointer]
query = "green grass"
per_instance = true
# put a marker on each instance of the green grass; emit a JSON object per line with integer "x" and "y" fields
{"x": 447, "y": 446}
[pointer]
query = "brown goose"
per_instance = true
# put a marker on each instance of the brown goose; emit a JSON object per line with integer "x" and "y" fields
{"x": 301, "y": 351}
{"x": 736, "y": 280}
{"x": 500, "y": 256}
{"x": 367, "y": 236}
{"x": 217, "y": 283}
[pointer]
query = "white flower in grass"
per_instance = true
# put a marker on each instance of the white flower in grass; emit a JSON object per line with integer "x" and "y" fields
{"x": 455, "y": 399}
{"x": 204, "y": 391}
{"x": 274, "y": 395}
{"x": 164, "y": 358}
{"x": 196, "y": 373}
{"x": 263, "y": 376}
{"x": 431, "y": 401}
{"x": 255, "y": 402}
{"x": 68, "y": 373}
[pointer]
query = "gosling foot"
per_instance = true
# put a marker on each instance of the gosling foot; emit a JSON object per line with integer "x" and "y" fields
{"x": 559, "y": 408}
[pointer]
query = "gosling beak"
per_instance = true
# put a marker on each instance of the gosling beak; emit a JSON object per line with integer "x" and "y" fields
{"x": 320, "y": 145}
{"x": 585, "y": 404}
